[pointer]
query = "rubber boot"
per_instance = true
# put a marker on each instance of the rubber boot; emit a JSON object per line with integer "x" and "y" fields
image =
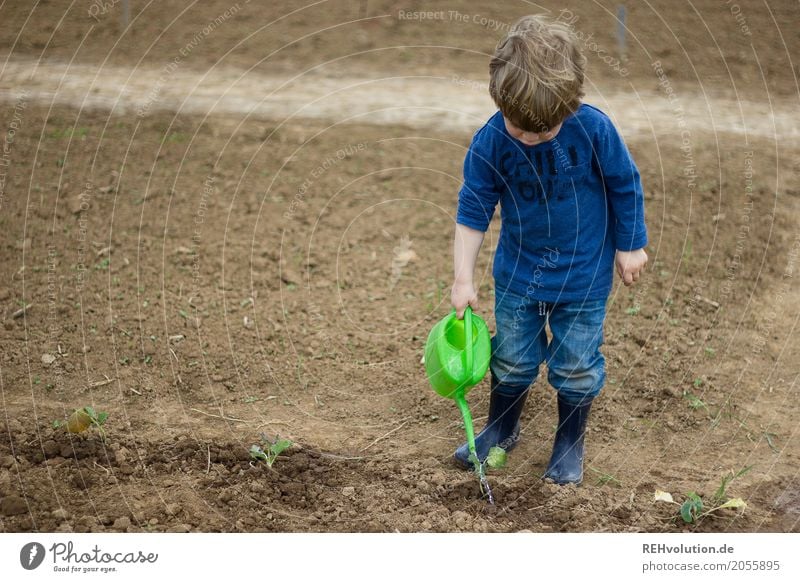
{"x": 566, "y": 462}
{"x": 502, "y": 427}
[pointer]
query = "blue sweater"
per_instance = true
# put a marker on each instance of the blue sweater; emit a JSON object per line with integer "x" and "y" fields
{"x": 566, "y": 206}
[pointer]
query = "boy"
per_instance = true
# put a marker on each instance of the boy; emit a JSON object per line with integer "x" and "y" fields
{"x": 571, "y": 207}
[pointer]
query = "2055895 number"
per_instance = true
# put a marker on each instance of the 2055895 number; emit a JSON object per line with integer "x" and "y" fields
{"x": 748, "y": 565}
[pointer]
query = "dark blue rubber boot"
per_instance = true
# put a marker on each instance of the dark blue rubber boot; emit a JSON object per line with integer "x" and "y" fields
{"x": 566, "y": 462}
{"x": 506, "y": 402}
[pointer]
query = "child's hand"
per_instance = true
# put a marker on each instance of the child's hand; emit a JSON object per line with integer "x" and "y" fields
{"x": 461, "y": 295}
{"x": 630, "y": 265}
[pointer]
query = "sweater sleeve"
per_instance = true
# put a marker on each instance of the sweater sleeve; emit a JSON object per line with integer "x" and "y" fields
{"x": 479, "y": 194}
{"x": 623, "y": 188}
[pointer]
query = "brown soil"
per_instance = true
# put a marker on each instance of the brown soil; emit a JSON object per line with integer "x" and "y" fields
{"x": 719, "y": 46}
{"x": 244, "y": 276}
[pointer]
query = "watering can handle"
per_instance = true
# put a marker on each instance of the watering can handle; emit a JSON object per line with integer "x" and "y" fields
{"x": 470, "y": 347}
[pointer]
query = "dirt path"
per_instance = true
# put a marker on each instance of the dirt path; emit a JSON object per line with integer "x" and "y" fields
{"x": 448, "y": 103}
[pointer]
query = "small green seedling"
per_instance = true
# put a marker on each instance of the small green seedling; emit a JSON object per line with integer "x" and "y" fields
{"x": 694, "y": 402}
{"x": 605, "y": 478}
{"x": 768, "y": 436}
{"x": 496, "y": 459}
{"x": 719, "y": 494}
{"x": 269, "y": 449}
{"x": 82, "y": 419}
{"x": 694, "y": 509}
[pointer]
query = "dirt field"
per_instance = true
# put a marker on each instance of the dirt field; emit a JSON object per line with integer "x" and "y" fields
{"x": 207, "y": 278}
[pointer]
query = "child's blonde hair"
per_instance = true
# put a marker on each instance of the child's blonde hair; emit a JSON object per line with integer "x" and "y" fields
{"x": 536, "y": 74}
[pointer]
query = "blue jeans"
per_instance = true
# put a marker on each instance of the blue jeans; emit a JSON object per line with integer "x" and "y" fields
{"x": 576, "y": 367}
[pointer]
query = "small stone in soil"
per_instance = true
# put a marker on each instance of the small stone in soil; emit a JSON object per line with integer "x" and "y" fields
{"x": 82, "y": 480}
{"x": 121, "y": 456}
{"x": 13, "y": 505}
{"x": 88, "y": 521}
{"x": 51, "y": 448}
{"x": 60, "y": 514}
{"x": 15, "y": 427}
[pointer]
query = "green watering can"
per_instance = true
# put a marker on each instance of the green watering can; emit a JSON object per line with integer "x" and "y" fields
{"x": 457, "y": 356}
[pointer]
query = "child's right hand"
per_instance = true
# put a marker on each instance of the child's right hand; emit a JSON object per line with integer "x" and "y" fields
{"x": 461, "y": 295}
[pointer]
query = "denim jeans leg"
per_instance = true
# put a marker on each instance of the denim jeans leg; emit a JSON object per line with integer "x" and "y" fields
{"x": 518, "y": 347}
{"x": 576, "y": 366}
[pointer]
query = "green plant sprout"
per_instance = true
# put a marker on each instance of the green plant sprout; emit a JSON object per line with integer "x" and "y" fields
{"x": 719, "y": 494}
{"x": 82, "y": 419}
{"x": 687, "y": 251}
{"x": 694, "y": 402}
{"x": 605, "y": 478}
{"x": 694, "y": 509}
{"x": 269, "y": 449}
{"x": 766, "y": 435}
{"x": 496, "y": 459}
